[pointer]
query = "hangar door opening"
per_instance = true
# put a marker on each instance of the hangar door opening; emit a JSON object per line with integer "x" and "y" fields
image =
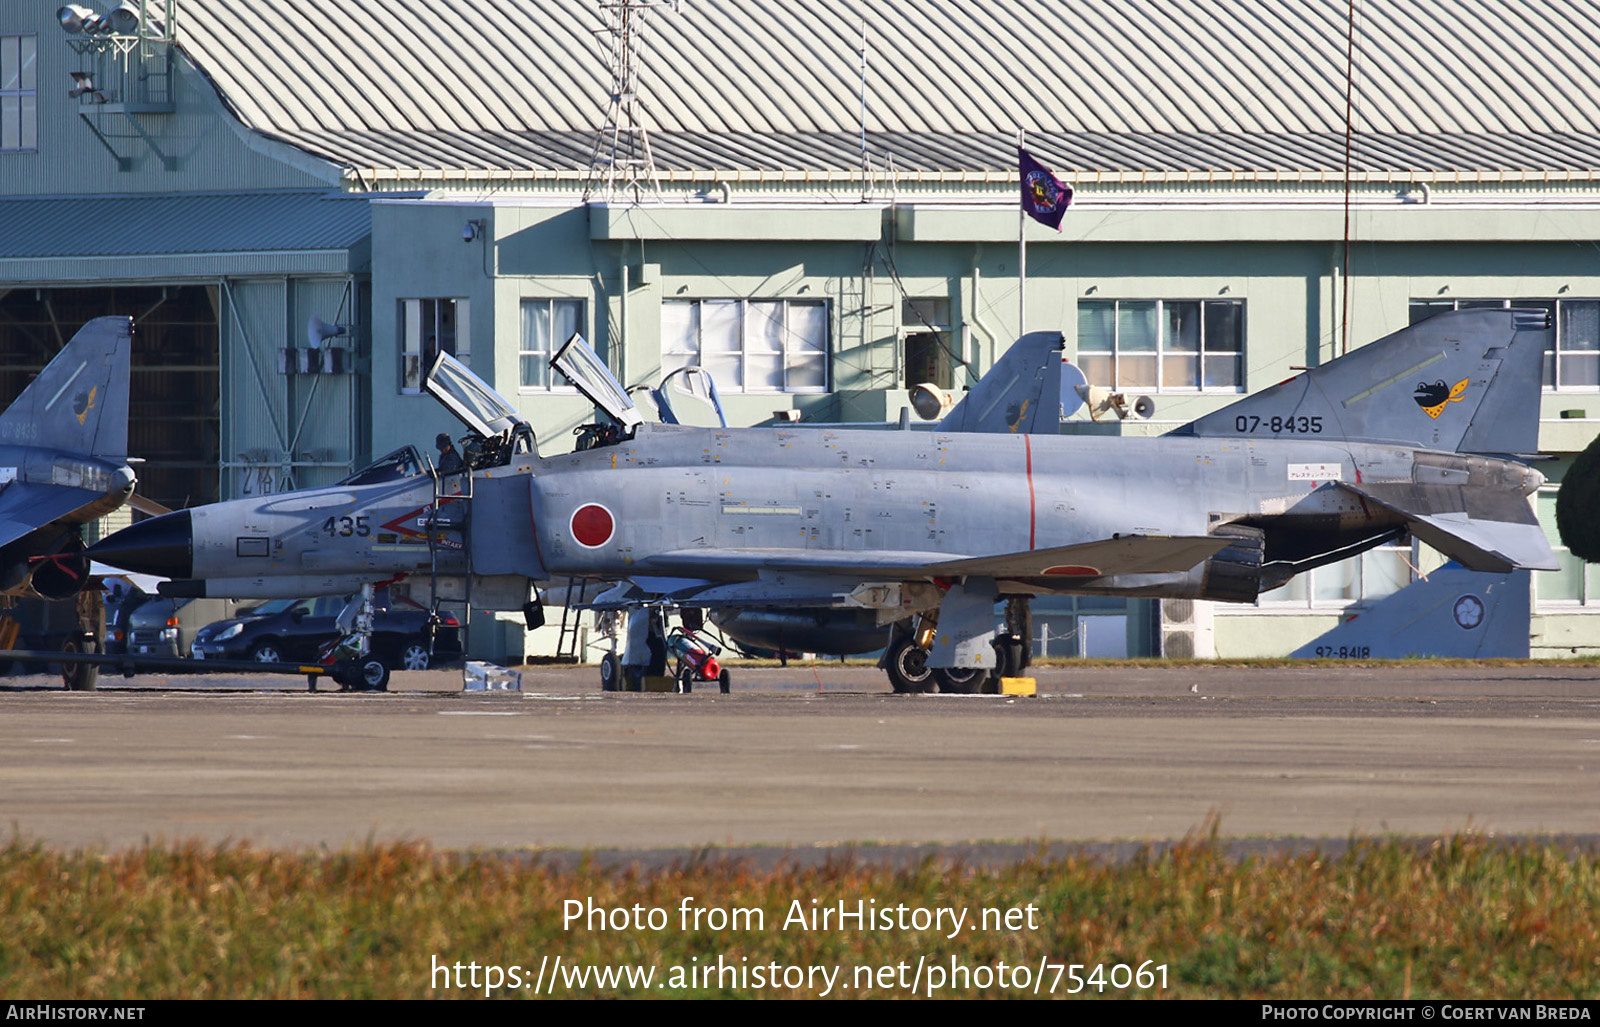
{"x": 173, "y": 417}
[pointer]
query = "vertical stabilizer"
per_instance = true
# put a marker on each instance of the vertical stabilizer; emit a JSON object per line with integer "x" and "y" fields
{"x": 1452, "y": 612}
{"x": 1021, "y": 394}
{"x": 79, "y": 402}
{"x": 1465, "y": 381}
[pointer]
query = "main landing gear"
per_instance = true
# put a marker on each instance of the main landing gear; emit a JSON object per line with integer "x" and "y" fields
{"x": 906, "y": 659}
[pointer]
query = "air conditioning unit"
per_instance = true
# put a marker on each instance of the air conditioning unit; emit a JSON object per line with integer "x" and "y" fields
{"x": 1188, "y": 629}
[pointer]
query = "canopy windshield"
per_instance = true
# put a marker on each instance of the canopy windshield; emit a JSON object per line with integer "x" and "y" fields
{"x": 586, "y": 371}
{"x": 465, "y": 395}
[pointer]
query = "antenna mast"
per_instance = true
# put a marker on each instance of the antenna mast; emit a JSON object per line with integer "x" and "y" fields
{"x": 621, "y": 158}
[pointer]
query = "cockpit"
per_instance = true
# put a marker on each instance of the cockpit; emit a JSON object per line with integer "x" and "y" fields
{"x": 498, "y": 433}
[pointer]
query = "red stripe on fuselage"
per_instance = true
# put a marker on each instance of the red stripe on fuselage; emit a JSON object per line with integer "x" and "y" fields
{"x": 1027, "y": 448}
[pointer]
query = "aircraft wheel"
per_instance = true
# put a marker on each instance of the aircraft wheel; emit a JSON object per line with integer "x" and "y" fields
{"x": 723, "y": 681}
{"x": 373, "y": 675}
{"x": 415, "y": 657}
{"x": 266, "y": 652}
{"x": 908, "y": 668}
{"x": 610, "y": 672}
{"x": 1011, "y": 656}
{"x": 959, "y": 680}
{"x": 79, "y": 677}
{"x": 686, "y": 680}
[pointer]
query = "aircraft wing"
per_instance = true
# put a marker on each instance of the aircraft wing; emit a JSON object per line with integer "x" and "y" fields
{"x": 1131, "y": 554}
{"x": 1494, "y": 532}
{"x": 26, "y": 506}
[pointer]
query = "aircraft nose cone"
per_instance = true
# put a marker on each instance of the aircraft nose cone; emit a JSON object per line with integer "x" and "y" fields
{"x": 163, "y": 546}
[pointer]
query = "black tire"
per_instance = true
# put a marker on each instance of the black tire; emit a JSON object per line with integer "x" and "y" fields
{"x": 959, "y": 680}
{"x": 372, "y": 675}
{"x": 686, "y": 680}
{"x": 610, "y": 672}
{"x": 723, "y": 681}
{"x": 79, "y": 677}
{"x": 1011, "y": 659}
{"x": 908, "y": 668}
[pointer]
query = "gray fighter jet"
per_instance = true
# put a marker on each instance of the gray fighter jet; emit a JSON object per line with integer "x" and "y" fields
{"x": 64, "y": 461}
{"x": 63, "y": 464}
{"x": 926, "y": 530}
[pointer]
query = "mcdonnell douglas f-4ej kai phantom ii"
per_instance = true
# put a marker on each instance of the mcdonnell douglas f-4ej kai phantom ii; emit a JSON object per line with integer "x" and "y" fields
{"x": 926, "y": 531}
{"x": 63, "y": 464}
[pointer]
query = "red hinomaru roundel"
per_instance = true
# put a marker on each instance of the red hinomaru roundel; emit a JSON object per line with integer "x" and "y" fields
{"x": 592, "y": 525}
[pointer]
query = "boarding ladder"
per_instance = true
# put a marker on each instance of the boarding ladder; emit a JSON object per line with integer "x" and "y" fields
{"x": 569, "y": 642}
{"x": 436, "y": 524}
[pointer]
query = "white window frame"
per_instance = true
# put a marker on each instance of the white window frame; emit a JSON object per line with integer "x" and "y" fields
{"x": 794, "y": 352}
{"x": 19, "y": 94}
{"x": 1087, "y": 357}
{"x": 1588, "y": 576}
{"x": 421, "y": 318}
{"x": 1553, "y": 358}
{"x": 1366, "y": 588}
{"x": 555, "y": 381}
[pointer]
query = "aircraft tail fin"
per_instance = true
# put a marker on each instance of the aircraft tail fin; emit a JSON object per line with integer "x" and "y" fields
{"x": 79, "y": 402}
{"x": 1465, "y": 381}
{"x": 1020, "y": 394}
{"x": 1453, "y": 612}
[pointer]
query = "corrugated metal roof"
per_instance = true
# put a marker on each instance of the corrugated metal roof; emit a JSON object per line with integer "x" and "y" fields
{"x": 244, "y": 222}
{"x": 1242, "y": 85}
{"x": 1321, "y": 152}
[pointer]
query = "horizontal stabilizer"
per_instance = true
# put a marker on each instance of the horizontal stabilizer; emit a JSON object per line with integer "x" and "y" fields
{"x": 1491, "y": 532}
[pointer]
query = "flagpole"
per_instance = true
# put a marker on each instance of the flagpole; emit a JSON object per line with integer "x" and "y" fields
{"x": 1022, "y": 258}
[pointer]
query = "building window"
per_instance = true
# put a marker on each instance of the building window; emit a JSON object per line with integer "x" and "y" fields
{"x": 1575, "y": 583}
{"x": 749, "y": 345}
{"x": 1162, "y": 345}
{"x": 929, "y": 356}
{"x": 1571, "y": 357}
{"x": 1376, "y": 574}
{"x": 427, "y": 328}
{"x": 546, "y": 324}
{"x": 19, "y": 93}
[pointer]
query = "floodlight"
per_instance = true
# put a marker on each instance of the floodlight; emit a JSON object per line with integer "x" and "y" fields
{"x": 125, "y": 18}
{"x": 72, "y": 18}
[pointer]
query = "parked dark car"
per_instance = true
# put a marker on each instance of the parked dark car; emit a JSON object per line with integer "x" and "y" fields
{"x": 120, "y": 605}
{"x": 167, "y": 626}
{"x": 297, "y": 630}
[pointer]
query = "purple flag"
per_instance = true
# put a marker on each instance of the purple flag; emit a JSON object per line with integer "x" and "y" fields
{"x": 1044, "y": 196}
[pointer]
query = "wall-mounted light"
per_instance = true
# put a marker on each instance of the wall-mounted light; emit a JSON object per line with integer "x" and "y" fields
{"x": 472, "y": 230}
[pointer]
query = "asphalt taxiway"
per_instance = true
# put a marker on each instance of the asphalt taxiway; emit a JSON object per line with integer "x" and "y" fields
{"x": 803, "y": 757}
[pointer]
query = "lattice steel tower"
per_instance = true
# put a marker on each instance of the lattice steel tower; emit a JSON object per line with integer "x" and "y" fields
{"x": 621, "y": 158}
